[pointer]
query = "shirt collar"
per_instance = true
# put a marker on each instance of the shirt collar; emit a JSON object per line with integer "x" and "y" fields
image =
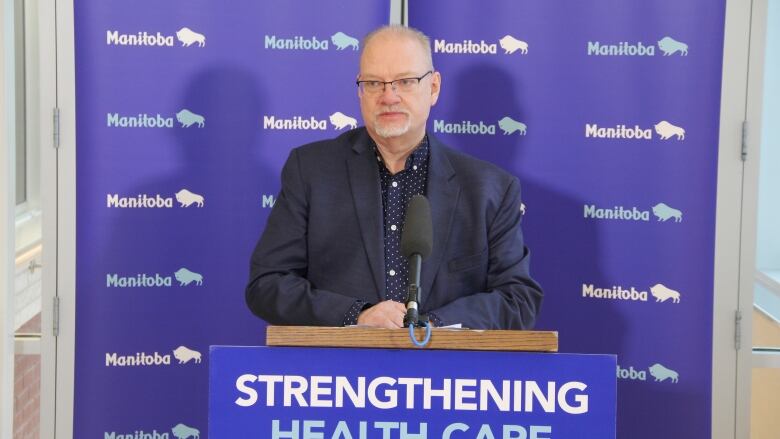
{"x": 418, "y": 157}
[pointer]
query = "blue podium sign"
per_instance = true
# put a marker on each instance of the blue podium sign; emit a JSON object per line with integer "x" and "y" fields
{"x": 326, "y": 393}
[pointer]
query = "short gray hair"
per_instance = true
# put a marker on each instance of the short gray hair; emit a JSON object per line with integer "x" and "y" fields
{"x": 402, "y": 31}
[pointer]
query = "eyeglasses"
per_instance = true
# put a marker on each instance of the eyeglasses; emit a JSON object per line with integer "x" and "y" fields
{"x": 403, "y": 85}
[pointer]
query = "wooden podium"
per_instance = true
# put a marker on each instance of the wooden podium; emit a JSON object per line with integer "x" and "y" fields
{"x": 441, "y": 338}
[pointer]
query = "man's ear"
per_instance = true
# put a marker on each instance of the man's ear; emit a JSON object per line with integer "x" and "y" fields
{"x": 435, "y": 87}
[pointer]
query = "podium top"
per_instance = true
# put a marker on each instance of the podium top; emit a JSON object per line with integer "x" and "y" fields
{"x": 441, "y": 338}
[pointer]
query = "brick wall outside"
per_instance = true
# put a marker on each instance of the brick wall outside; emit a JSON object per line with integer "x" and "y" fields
{"x": 27, "y": 389}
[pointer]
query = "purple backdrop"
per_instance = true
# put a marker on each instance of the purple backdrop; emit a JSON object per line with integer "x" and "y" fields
{"x": 186, "y": 113}
{"x": 607, "y": 111}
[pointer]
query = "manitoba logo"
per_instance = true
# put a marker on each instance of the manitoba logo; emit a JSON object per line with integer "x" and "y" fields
{"x": 664, "y": 129}
{"x": 185, "y": 35}
{"x": 338, "y": 120}
{"x": 187, "y": 198}
{"x": 617, "y": 213}
{"x": 343, "y": 41}
{"x": 185, "y": 117}
{"x": 137, "y": 359}
{"x": 188, "y": 37}
{"x": 340, "y": 40}
{"x": 660, "y": 292}
{"x": 658, "y": 371}
{"x": 615, "y": 293}
{"x": 506, "y": 124}
{"x": 141, "y": 120}
{"x": 663, "y": 293}
{"x": 511, "y": 45}
{"x": 182, "y": 354}
{"x": 184, "y": 197}
{"x": 187, "y": 277}
{"x": 179, "y": 431}
{"x": 137, "y": 434}
{"x": 183, "y": 276}
{"x": 662, "y": 373}
{"x": 508, "y": 43}
{"x": 661, "y": 211}
{"x": 509, "y": 126}
{"x": 294, "y": 123}
{"x": 664, "y": 213}
{"x": 667, "y": 45}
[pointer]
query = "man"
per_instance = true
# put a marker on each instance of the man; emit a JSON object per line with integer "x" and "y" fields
{"x": 330, "y": 251}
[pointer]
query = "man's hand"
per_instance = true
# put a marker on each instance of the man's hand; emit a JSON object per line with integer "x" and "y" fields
{"x": 388, "y": 314}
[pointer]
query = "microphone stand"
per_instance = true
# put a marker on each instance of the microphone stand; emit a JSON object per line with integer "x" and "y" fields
{"x": 413, "y": 316}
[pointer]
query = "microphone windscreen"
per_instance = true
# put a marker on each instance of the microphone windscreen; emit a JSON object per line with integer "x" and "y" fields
{"x": 417, "y": 236}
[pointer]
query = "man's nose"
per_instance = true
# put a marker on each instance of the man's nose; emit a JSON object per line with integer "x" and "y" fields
{"x": 389, "y": 94}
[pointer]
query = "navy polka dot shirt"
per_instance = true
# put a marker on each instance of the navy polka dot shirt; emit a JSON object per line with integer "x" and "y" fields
{"x": 397, "y": 190}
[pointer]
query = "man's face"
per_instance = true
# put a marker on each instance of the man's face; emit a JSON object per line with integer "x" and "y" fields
{"x": 397, "y": 114}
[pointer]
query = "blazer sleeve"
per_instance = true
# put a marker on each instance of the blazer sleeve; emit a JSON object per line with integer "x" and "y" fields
{"x": 511, "y": 298}
{"x": 278, "y": 291}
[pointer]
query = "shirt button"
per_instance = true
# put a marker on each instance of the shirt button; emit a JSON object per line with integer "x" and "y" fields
{"x": 414, "y": 167}
{"x": 393, "y": 227}
{"x": 392, "y": 272}
{"x": 395, "y": 184}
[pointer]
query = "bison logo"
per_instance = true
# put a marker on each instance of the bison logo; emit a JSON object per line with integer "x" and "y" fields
{"x": 509, "y": 126}
{"x": 669, "y": 46}
{"x": 186, "y": 277}
{"x": 181, "y": 431}
{"x": 188, "y": 37}
{"x": 661, "y": 373}
{"x": 667, "y": 130}
{"x": 511, "y": 45}
{"x": 187, "y": 118}
{"x": 342, "y": 41}
{"x": 341, "y": 120}
{"x": 185, "y": 355}
{"x": 187, "y": 198}
{"x": 662, "y": 293}
{"x": 664, "y": 212}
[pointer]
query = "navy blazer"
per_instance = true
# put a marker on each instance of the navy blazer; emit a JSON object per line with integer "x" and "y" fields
{"x": 322, "y": 247}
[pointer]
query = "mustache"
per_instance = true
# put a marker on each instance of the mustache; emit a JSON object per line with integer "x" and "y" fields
{"x": 391, "y": 110}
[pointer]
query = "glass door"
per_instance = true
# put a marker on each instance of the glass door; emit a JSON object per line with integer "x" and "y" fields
{"x": 765, "y": 343}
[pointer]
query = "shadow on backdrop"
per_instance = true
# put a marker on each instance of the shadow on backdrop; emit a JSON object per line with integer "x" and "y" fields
{"x": 565, "y": 249}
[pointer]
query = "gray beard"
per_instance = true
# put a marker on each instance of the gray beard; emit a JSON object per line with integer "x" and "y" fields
{"x": 393, "y": 131}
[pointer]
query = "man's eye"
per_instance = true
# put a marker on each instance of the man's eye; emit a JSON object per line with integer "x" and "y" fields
{"x": 373, "y": 84}
{"x": 408, "y": 82}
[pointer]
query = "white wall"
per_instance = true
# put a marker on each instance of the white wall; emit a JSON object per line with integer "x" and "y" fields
{"x": 7, "y": 209}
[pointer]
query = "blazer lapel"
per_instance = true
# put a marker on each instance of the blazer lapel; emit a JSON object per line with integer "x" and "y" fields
{"x": 366, "y": 193}
{"x": 443, "y": 191}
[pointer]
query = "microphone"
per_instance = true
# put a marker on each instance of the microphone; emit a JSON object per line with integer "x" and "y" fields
{"x": 416, "y": 245}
